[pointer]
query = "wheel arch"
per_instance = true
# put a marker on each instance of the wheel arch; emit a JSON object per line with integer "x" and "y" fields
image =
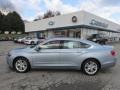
{"x": 91, "y": 58}
{"x": 32, "y": 42}
{"x": 20, "y": 57}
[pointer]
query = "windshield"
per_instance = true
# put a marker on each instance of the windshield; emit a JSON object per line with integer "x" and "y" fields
{"x": 33, "y": 46}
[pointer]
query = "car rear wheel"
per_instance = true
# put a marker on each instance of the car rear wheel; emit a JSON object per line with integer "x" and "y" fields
{"x": 21, "y": 65}
{"x": 90, "y": 67}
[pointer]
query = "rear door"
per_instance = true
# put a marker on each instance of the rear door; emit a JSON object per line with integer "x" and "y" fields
{"x": 71, "y": 53}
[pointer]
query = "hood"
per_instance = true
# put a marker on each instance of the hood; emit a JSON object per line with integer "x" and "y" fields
{"x": 20, "y": 50}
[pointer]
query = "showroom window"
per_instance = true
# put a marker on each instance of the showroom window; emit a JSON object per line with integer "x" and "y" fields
{"x": 59, "y": 33}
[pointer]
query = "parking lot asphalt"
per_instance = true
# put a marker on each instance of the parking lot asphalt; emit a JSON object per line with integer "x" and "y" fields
{"x": 56, "y": 79}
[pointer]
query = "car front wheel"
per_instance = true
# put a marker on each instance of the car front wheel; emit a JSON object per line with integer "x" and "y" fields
{"x": 21, "y": 65}
{"x": 90, "y": 67}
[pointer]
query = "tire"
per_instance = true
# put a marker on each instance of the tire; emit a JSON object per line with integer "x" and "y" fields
{"x": 21, "y": 65}
{"x": 32, "y": 42}
{"x": 88, "y": 69}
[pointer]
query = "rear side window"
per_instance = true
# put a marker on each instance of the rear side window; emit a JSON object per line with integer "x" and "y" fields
{"x": 74, "y": 44}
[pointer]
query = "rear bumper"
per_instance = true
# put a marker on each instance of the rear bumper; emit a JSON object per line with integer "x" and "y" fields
{"x": 109, "y": 64}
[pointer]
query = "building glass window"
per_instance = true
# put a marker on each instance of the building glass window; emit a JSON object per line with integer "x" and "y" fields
{"x": 59, "y": 33}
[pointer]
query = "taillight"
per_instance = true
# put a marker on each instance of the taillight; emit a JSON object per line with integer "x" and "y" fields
{"x": 113, "y": 53}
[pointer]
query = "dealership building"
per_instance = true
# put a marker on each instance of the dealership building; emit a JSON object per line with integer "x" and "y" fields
{"x": 80, "y": 24}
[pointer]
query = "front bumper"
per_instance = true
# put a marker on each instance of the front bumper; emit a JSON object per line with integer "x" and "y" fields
{"x": 9, "y": 61}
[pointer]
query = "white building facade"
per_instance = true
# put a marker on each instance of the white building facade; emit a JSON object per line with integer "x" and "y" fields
{"x": 78, "y": 25}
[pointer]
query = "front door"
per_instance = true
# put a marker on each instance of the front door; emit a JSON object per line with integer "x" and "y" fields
{"x": 48, "y": 55}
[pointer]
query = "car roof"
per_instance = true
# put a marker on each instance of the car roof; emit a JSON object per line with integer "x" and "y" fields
{"x": 75, "y": 39}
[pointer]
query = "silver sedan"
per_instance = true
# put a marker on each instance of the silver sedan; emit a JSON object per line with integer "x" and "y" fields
{"x": 63, "y": 53}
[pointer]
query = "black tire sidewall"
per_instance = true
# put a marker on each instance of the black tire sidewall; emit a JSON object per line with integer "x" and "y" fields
{"x": 28, "y": 65}
{"x": 83, "y": 67}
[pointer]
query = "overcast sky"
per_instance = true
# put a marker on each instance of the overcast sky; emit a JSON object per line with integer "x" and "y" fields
{"x": 30, "y": 9}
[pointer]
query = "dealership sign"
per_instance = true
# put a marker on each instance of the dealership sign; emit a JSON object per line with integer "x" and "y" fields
{"x": 51, "y": 23}
{"x": 98, "y": 23}
{"x": 74, "y": 19}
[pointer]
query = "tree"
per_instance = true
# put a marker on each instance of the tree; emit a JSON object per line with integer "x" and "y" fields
{"x": 6, "y": 23}
{"x": 13, "y": 22}
{"x": 50, "y": 13}
{"x": 38, "y": 18}
{"x": 57, "y": 13}
{"x": 17, "y": 23}
{"x": 1, "y": 21}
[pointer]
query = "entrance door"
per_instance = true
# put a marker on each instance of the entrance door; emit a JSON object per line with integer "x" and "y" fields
{"x": 77, "y": 34}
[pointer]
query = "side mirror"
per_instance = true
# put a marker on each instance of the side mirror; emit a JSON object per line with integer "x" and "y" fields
{"x": 37, "y": 49}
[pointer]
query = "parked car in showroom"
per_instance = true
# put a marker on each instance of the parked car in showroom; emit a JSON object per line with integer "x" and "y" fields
{"x": 33, "y": 41}
{"x": 63, "y": 53}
